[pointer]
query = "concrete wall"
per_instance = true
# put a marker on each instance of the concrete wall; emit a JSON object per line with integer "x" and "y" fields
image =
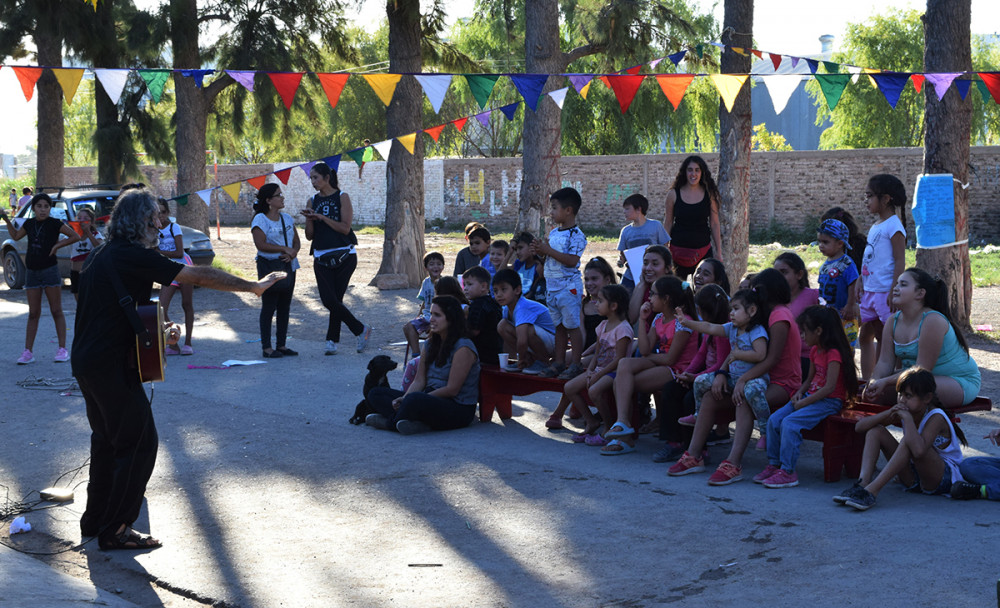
{"x": 787, "y": 189}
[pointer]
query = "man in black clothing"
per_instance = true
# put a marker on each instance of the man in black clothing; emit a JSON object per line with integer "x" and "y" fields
{"x": 123, "y": 438}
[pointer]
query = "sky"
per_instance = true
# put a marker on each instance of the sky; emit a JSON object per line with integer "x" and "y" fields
{"x": 782, "y": 26}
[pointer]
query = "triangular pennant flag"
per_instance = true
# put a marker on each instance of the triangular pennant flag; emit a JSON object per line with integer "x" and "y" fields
{"x": 233, "y": 190}
{"x": 891, "y": 84}
{"x": 484, "y": 118}
{"x": 206, "y": 195}
{"x": 775, "y": 60}
{"x": 435, "y": 132}
{"x": 460, "y": 122}
{"x": 585, "y": 90}
{"x": 307, "y": 167}
{"x": 634, "y": 70}
{"x": 813, "y": 65}
{"x": 677, "y": 57}
{"x": 832, "y": 86}
{"x": 94, "y": 3}
{"x": 69, "y": 80}
{"x": 869, "y": 73}
{"x": 579, "y": 81}
{"x": 699, "y": 50}
{"x": 855, "y": 72}
{"x": 435, "y": 88}
{"x": 257, "y": 182}
{"x": 284, "y": 174}
{"x": 198, "y": 75}
{"x": 625, "y": 88}
{"x": 983, "y": 91}
{"x": 481, "y": 86}
{"x": 357, "y": 155}
{"x": 408, "y": 141}
{"x": 729, "y": 86}
{"x": 941, "y": 82}
{"x": 333, "y": 85}
{"x": 244, "y": 78}
{"x": 384, "y": 85}
{"x": 182, "y": 200}
{"x": 530, "y": 87}
{"x": 155, "y": 81}
{"x": 963, "y": 87}
{"x": 559, "y": 96}
{"x": 28, "y": 78}
{"x": 605, "y": 80}
{"x": 674, "y": 86}
{"x": 738, "y": 50}
{"x": 918, "y": 82}
{"x": 113, "y": 82}
{"x": 781, "y": 87}
{"x": 333, "y": 162}
{"x": 992, "y": 82}
{"x": 286, "y": 83}
{"x": 654, "y": 63}
{"x": 795, "y": 61}
{"x": 757, "y": 53}
{"x": 509, "y": 110}
{"x": 831, "y": 67}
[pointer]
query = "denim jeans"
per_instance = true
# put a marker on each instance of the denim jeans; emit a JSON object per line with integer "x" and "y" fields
{"x": 985, "y": 471}
{"x": 785, "y": 426}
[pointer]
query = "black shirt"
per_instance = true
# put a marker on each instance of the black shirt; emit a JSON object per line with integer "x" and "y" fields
{"x": 102, "y": 334}
{"x": 325, "y": 237}
{"x": 485, "y": 315}
{"x": 42, "y": 237}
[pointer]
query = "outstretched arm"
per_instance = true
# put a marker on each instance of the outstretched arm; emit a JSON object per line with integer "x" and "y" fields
{"x": 213, "y": 278}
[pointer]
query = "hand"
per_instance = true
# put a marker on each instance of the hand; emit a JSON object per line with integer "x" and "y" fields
{"x": 994, "y": 436}
{"x": 398, "y": 401}
{"x": 55, "y": 248}
{"x": 797, "y": 396}
{"x": 679, "y": 314}
{"x": 874, "y": 388}
{"x": 309, "y": 214}
{"x": 685, "y": 378}
{"x": 738, "y": 397}
{"x": 645, "y": 311}
{"x": 262, "y": 285}
{"x": 719, "y": 387}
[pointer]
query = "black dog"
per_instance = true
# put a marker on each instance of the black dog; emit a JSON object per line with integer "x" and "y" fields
{"x": 378, "y": 370}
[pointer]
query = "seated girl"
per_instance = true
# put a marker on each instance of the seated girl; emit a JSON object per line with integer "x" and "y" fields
{"x": 656, "y": 264}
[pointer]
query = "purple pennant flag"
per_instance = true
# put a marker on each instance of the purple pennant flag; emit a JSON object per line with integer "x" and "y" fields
{"x": 509, "y": 109}
{"x": 795, "y": 61}
{"x": 941, "y": 82}
{"x": 484, "y": 118}
{"x": 307, "y": 167}
{"x": 198, "y": 75}
{"x": 963, "y": 87}
{"x": 244, "y": 78}
{"x": 891, "y": 84}
{"x": 676, "y": 57}
{"x": 530, "y": 87}
{"x": 333, "y": 162}
{"x": 579, "y": 80}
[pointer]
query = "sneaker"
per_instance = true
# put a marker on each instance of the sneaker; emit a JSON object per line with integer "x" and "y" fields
{"x": 186, "y": 350}
{"x": 366, "y": 335}
{"x": 767, "y": 472}
{"x": 686, "y": 465}
{"x": 171, "y": 350}
{"x": 862, "y": 500}
{"x": 571, "y": 372}
{"x": 718, "y": 438}
{"x": 534, "y": 369}
{"x": 26, "y": 358}
{"x": 963, "y": 490}
{"x": 331, "y": 348}
{"x": 411, "y": 427}
{"x": 782, "y": 479}
{"x": 762, "y": 443}
{"x": 669, "y": 453}
{"x": 512, "y": 367}
{"x": 62, "y": 355}
{"x": 726, "y": 474}
{"x": 848, "y": 493}
{"x": 687, "y": 420}
{"x": 377, "y": 421}
{"x": 552, "y": 371}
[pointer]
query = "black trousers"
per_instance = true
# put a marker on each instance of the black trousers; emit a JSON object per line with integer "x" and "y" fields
{"x": 272, "y": 300}
{"x": 676, "y": 402}
{"x": 332, "y": 284}
{"x": 123, "y": 444}
{"x": 437, "y": 413}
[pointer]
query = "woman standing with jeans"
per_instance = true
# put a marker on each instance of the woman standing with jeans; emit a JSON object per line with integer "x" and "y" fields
{"x": 277, "y": 244}
{"x": 328, "y": 226}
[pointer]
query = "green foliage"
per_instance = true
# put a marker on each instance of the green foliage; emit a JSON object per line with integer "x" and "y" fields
{"x": 763, "y": 140}
{"x": 985, "y": 112}
{"x": 78, "y": 120}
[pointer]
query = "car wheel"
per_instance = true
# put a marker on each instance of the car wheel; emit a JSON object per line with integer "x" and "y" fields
{"x": 13, "y": 270}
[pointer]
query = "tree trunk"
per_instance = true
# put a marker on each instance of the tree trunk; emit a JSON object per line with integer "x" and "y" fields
{"x": 403, "y": 249}
{"x": 51, "y": 152}
{"x": 542, "y": 128}
{"x": 191, "y": 114}
{"x": 947, "y": 48}
{"x": 108, "y": 138}
{"x": 735, "y": 129}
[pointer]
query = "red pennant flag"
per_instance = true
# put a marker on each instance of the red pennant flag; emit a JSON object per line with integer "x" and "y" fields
{"x": 286, "y": 83}
{"x": 460, "y": 123}
{"x": 257, "y": 182}
{"x": 283, "y": 175}
{"x": 674, "y": 86}
{"x": 775, "y": 60}
{"x": 633, "y": 70}
{"x": 333, "y": 84}
{"x": 28, "y": 78}
{"x": 757, "y": 53}
{"x": 918, "y": 81}
{"x": 625, "y": 88}
{"x": 605, "y": 80}
{"x": 435, "y": 132}
{"x": 992, "y": 82}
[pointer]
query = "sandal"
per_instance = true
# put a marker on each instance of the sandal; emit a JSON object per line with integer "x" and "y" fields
{"x": 653, "y": 426}
{"x": 129, "y": 540}
{"x": 616, "y": 447}
{"x": 553, "y": 423}
{"x": 624, "y": 430}
{"x": 596, "y": 440}
{"x": 580, "y": 438}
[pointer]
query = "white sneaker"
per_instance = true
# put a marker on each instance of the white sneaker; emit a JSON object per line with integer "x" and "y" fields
{"x": 363, "y": 338}
{"x": 331, "y": 348}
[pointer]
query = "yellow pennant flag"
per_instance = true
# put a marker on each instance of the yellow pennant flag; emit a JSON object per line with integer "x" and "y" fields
{"x": 729, "y": 86}
{"x": 69, "y": 80}
{"x": 408, "y": 141}
{"x": 384, "y": 85}
{"x": 868, "y": 72}
{"x": 233, "y": 190}
{"x": 585, "y": 90}
{"x": 93, "y": 2}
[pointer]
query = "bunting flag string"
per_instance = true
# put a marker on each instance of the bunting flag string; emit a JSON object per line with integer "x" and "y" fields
{"x": 559, "y": 96}
{"x": 832, "y": 86}
{"x": 155, "y": 81}
{"x": 244, "y": 78}
{"x": 729, "y": 86}
{"x": 891, "y": 85}
{"x": 384, "y": 148}
{"x": 435, "y": 88}
{"x": 781, "y": 87}
{"x": 287, "y": 83}
{"x": 384, "y": 85}
{"x": 333, "y": 86}
{"x": 530, "y": 87}
{"x": 674, "y": 86}
{"x": 625, "y": 88}
{"x": 481, "y": 86}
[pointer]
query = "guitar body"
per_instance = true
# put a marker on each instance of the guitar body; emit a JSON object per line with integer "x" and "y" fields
{"x": 150, "y": 357}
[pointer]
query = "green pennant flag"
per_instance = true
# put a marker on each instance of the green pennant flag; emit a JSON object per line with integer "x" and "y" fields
{"x": 482, "y": 85}
{"x": 155, "y": 81}
{"x": 182, "y": 200}
{"x": 831, "y": 67}
{"x": 700, "y": 50}
{"x": 358, "y": 154}
{"x": 833, "y": 87}
{"x": 984, "y": 91}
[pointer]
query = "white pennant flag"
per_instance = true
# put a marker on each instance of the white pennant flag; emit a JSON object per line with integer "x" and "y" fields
{"x": 559, "y": 96}
{"x": 851, "y": 69}
{"x": 383, "y": 148}
{"x": 435, "y": 88}
{"x": 781, "y": 87}
{"x": 206, "y": 195}
{"x": 113, "y": 82}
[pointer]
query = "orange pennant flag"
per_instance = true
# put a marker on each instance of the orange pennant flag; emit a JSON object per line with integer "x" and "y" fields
{"x": 674, "y": 86}
{"x": 460, "y": 123}
{"x": 233, "y": 190}
{"x": 257, "y": 182}
{"x": 69, "y": 80}
{"x": 408, "y": 141}
{"x": 605, "y": 80}
{"x": 333, "y": 85}
{"x": 435, "y": 132}
{"x": 28, "y": 78}
{"x": 757, "y": 53}
{"x": 384, "y": 85}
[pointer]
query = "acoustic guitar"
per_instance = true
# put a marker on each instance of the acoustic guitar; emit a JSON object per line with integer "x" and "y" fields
{"x": 150, "y": 356}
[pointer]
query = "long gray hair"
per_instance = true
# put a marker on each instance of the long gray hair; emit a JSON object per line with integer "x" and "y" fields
{"x": 135, "y": 212}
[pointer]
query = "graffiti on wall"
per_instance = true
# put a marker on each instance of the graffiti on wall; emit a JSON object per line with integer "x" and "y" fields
{"x": 482, "y": 203}
{"x": 617, "y": 193}
{"x": 986, "y": 176}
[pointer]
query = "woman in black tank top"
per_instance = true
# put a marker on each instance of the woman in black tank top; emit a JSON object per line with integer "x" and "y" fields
{"x": 692, "y": 216}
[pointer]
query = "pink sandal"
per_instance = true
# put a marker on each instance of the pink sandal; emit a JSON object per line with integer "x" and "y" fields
{"x": 596, "y": 440}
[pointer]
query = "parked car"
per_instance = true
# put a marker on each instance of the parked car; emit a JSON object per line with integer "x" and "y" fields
{"x": 101, "y": 200}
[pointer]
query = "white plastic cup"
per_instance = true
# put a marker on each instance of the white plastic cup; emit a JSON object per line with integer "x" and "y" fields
{"x": 504, "y": 358}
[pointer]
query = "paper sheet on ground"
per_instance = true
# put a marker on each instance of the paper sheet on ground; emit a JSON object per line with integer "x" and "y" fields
{"x": 232, "y": 362}
{"x": 634, "y": 258}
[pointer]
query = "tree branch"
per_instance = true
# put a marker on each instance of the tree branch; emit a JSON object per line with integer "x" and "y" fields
{"x": 213, "y": 17}
{"x": 583, "y": 51}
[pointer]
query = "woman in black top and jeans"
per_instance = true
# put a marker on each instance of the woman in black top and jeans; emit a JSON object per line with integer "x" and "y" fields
{"x": 328, "y": 226}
